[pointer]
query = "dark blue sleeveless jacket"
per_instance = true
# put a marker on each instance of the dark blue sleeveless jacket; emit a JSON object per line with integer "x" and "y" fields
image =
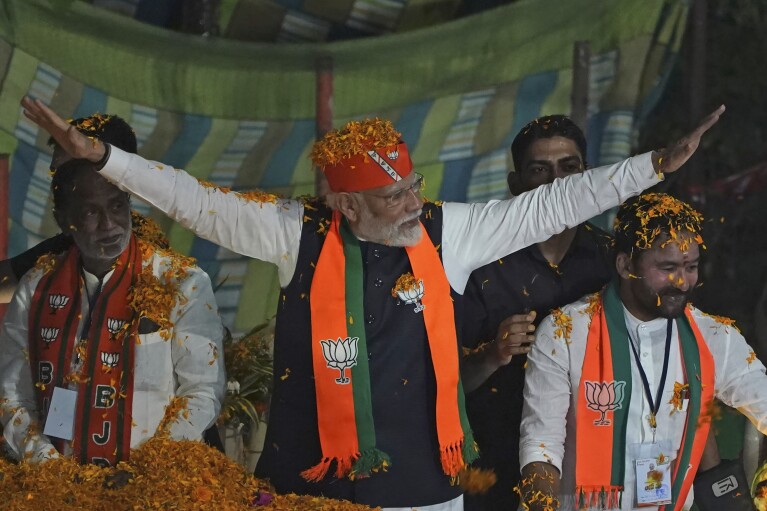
{"x": 402, "y": 382}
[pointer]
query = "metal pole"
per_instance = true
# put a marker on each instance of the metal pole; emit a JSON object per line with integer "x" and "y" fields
{"x": 698, "y": 61}
{"x": 696, "y": 174}
{"x": 324, "y": 112}
{"x": 4, "y": 197}
{"x": 579, "y": 100}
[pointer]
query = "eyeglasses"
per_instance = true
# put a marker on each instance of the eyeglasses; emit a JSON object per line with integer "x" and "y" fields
{"x": 400, "y": 196}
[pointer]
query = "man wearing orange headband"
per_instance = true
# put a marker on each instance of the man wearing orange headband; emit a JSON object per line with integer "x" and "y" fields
{"x": 368, "y": 404}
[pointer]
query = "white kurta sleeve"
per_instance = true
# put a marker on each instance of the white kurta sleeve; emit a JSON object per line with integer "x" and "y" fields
{"x": 477, "y": 234}
{"x": 198, "y": 356}
{"x": 546, "y": 399}
{"x": 267, "y": 231}
{"x": 22, "y": 427}
{"x": 740, "y": 380}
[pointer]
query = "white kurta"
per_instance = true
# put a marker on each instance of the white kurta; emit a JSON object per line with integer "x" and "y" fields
{"x": 554, "y": 371}
{"x": 189, "y": 364}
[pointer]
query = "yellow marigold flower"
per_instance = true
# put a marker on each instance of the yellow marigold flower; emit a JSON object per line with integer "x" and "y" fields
{"x": 405, "y": 282}
{"x": 594, "y": 306}
{"x": 722, "y": 320}
{"x": 564, "y": 324}
{"x": 46, "y": 263}
{"x": 251, "y": 196}
{"x": 677, "y": 398}
{"x": 476, "y": 480}
{"x": 163, "y": 474}
{"x": 682, "y": 222}
{"x": 356, "y": 137}
{"x": 148, "y": 230}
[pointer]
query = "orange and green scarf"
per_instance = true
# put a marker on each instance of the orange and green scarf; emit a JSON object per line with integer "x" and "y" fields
{"x": 104, "y": 382}
{"x": 606, "y": 385}
{"x": 342, "y": 379}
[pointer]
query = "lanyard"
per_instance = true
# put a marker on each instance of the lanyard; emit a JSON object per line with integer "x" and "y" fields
{"x": 91, "y": 304}
{"x": 654, "y": 405}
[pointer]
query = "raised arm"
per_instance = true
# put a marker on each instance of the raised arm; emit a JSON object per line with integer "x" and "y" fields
{"x": 252, "y": 224}
{"x": 476, "y": 234}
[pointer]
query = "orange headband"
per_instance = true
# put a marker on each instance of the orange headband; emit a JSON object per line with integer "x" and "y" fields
{"x": 376, "y": 168}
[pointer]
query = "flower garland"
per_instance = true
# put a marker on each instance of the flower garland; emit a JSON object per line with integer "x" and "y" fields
{"x": 155, "y": 297}
{"x": 148, "y": 230}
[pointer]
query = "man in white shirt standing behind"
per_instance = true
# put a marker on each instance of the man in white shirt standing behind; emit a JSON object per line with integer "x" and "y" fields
{"x": 619, "y": 385}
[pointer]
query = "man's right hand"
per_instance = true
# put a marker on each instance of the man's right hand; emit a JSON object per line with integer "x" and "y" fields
{"x": 74, "y": 143}
{"x": 539, "y": 488}
{"x": 514, "y": 337}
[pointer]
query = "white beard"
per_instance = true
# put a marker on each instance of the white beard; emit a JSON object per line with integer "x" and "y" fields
{"x": 379, "y": 231}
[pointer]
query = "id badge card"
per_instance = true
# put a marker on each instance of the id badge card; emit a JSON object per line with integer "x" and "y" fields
{"x": 652, "y": 470}
{"x": 60, "y": 421}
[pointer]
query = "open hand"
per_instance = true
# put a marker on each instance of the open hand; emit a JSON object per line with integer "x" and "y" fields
{"x": 71, "y": 141}
{"x": 669, "y": 160}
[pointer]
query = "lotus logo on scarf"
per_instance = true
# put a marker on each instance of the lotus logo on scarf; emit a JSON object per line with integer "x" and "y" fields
{"x": 115, "y": 325}
{"x": 393, "y": 155}
{"x": 49, "y": 335}
{"x": 340, "y": 354}
{"x": 110, "y": 359}
{"x": 604, "y": 397}
{"x": 413, "y": 295}
{"x": 57, "y": 302}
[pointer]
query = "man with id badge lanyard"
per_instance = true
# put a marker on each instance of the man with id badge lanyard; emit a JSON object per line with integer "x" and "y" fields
{"x": 620, "y": 384}
{"x": 100, "y": 340}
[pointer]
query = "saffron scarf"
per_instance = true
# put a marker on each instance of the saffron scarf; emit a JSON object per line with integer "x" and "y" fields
{"x": 342, "y": 379}
{"x": 606, "y": 385}
{"x": 104, "y": 381}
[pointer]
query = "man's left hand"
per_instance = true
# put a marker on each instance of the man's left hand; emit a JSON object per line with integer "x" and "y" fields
{"x": 669, "y": 160}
